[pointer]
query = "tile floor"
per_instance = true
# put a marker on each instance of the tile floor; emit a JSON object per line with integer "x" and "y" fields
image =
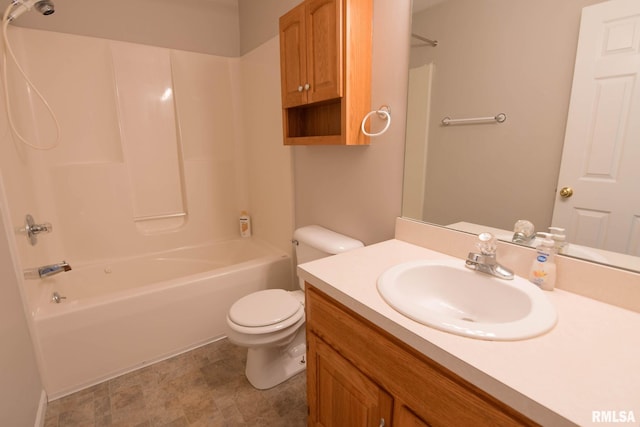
{"x": 205, "y": 387}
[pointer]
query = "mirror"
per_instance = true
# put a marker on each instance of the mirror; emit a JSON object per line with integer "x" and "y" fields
{"x": 477, "y": 59}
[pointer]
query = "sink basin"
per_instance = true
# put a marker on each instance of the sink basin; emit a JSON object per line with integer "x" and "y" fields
{"x": 445, "y": 295}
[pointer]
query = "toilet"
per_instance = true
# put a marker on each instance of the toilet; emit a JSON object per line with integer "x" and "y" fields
{"x": 270, "y": 323}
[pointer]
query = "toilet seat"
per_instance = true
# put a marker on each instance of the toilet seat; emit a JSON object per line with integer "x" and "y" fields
{"x": 265, "y": 311}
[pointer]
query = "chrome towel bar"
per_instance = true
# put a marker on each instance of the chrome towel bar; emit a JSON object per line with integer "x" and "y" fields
{"x": 499, "y": 118}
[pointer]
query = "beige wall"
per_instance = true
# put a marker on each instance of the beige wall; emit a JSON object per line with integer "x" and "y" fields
{"x": 20, "y": 385}
{"x": 362, "y": 193}
{"x": 353, "y": 190}
{"x": 207, "y": 26}
{"x": 259, "y": 20}
{"x": 492, "y": 57}
{"x": 218, "y": 27}
{"x": 358, "y": 190}
{"x": 268, "y": 162}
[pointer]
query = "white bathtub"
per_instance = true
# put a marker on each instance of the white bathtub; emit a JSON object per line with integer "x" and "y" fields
{"x": 119, "y": 316}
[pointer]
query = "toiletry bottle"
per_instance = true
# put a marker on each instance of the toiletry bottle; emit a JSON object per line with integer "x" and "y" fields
{"x": 245, "y": 224}
{"x": 543, "y": 269}
{"x": 559, "y": 237}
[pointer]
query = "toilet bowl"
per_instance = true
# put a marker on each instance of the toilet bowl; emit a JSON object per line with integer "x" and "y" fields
{"x": 271, "y": 323}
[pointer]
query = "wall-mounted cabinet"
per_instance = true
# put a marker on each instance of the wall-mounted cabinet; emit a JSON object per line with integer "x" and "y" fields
{"x": 325, "y": 66}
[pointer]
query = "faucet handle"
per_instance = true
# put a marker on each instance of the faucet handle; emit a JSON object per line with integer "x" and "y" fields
{"x": 486, "y": 243}
{"x": 32, "y": 229}
{"x": 524, "y": 227}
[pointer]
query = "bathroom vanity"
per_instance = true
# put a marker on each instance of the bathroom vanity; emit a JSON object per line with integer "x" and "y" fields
{"x": 359, "y": 372}
{"x": 368, "y": 363}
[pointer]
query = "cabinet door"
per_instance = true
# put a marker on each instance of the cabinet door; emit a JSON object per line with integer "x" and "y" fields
{"x": 339, "y": 394}
{"x": 406, "y": 418}
{"x": 324, "y": 49}
{"x": 293, "y": 59}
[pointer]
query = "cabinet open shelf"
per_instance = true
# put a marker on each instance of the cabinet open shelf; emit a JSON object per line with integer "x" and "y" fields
{"x": 308, "y": 122}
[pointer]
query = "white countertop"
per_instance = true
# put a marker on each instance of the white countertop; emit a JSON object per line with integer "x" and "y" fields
{"x": 589, "y": 362}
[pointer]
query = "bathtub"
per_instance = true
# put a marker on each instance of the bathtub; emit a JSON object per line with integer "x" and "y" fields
{"x": 121, "y": 315}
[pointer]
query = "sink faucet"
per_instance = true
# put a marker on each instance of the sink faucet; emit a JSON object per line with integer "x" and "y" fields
{"x": 46, "y": 270}
{"x": 485, "y": 261}
{"x": 523, "y": 232}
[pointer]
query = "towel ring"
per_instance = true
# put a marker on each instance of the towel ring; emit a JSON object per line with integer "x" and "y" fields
{"x": 384, "y": 112}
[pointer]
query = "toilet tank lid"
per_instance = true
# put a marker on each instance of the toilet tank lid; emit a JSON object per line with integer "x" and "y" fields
{"x": 325, "y": 240}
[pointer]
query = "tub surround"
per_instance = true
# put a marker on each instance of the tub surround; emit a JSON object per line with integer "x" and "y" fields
{"x": 588, "y": 362}
{"x": 220, "y": 150}
{"x": 223, "y": 155}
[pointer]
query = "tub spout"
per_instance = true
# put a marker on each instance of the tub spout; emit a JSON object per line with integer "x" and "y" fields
{"x": 50, "y": 270}
{"x": 46, "y": 270}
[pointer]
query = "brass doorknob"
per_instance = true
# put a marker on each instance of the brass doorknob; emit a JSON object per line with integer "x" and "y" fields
{"x": 566, "y": 192}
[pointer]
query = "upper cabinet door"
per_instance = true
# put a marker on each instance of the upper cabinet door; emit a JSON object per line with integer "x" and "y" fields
{"x": 311, "y": 53}
{"x": 324, "y": 50}
{"x": 293, "y": 57}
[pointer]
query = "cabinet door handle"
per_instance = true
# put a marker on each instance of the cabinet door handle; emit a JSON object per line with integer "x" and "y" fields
{"x": 307, "y": 86}
{"x": 382, "y": 424}
{"x": 300, "y": 88}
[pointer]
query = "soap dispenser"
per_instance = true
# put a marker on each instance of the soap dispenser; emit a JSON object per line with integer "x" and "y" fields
{"x": 559, "y": 238}
{"x": 543, "y": 268}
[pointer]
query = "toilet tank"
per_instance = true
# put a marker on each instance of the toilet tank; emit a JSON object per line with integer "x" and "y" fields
{"x": 315, "y": 242}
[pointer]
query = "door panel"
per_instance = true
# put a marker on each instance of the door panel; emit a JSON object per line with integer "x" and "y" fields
{"x": 602, "y": 142}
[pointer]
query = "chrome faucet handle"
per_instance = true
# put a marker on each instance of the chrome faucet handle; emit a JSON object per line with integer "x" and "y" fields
{"x": 523, "y": 231}
{"x": 32, "y": 229}
{"x": 487, "y": 244}
{"x": 485, "y": 261}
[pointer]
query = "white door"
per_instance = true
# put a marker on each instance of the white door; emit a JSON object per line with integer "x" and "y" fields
{"x": 601, "y": 155}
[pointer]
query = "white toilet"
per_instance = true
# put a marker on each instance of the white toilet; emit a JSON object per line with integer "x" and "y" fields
{"x": 271, "y": 322}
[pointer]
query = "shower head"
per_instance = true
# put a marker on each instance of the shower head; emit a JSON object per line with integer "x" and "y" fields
{"x": 21, "y": 6}
{"x": 45, "y": 7}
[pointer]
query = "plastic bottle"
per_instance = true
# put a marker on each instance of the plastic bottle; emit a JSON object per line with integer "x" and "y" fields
{"x": 559, "y": 237}
{"x": 543, "y": 268}
{"x": 245, "y": 224}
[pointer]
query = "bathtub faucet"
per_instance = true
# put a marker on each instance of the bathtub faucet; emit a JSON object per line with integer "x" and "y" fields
{"x": 46, "y": 270}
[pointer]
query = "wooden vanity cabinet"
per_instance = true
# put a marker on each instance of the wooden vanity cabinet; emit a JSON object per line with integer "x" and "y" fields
{"x": 325, "y": 68}
{"x": 360, "y": 375}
